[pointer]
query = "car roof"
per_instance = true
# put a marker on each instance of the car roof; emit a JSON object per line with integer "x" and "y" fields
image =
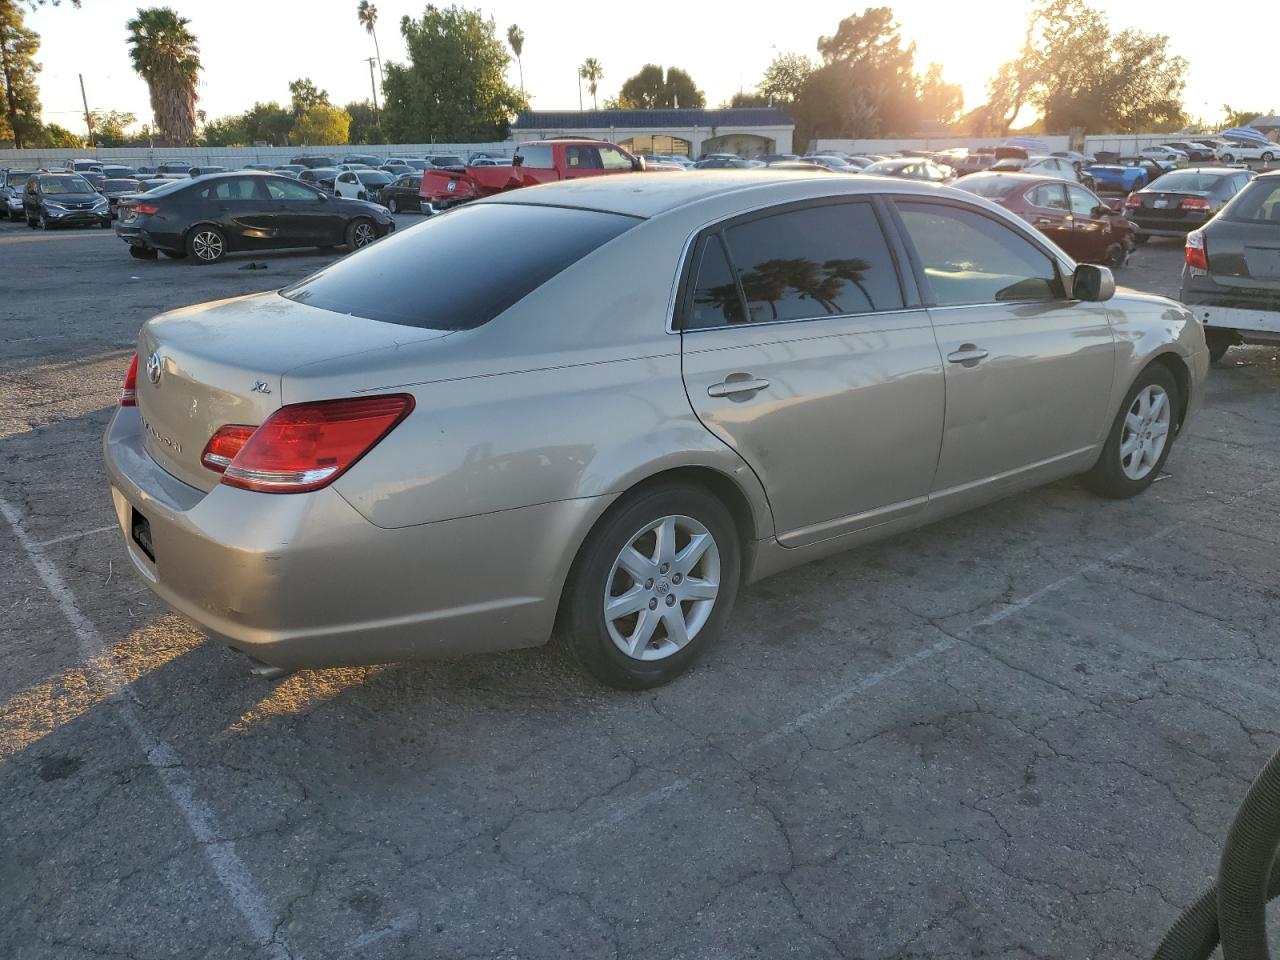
{"x": 641, "y": 195}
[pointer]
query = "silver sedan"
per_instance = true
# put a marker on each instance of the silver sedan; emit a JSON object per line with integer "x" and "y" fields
{"x": 597, "y": 408}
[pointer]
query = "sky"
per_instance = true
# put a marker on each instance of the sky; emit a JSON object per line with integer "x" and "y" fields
{"x": 251, "y": 49}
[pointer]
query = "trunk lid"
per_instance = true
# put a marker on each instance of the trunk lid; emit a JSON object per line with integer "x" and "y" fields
{"x": 203, "y": 367}
{"x": 1167, "y": 205}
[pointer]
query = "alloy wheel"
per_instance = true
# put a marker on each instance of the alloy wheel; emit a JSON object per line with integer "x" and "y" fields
{"x": 362, "y": 235}
{"x": 662, "y": 588}
{"x": 207, "y": 246}
{"x": 1145, "y": 433}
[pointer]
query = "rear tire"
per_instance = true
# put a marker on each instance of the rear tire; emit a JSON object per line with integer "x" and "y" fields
{"x": 646, "y": 549}
{"x": 1227, "y": 158}
{"x": 1140, "y": 238}
{"x": 206, "y": 244}
{"x": 360, "y": 233}
{"x": 1141, "y": 437}
{"x": 393, "y": 205}
{"x": 1268, "y": 157}
{"x": 1116, "y": 256}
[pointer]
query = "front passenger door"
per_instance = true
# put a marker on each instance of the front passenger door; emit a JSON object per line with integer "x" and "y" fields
{"x": 802, "y": 352}
{"x": 303, "y": 215}
{"x": 1028, "y": 372}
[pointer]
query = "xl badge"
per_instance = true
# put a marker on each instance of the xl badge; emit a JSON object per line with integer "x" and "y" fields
{"x": 154, "y": 368}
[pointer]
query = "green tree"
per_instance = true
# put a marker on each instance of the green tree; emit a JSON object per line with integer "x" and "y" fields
{"x": 367, "y": 14}
{"x": 365, "y": 127}
{"x": 268, "y": 122}
{"x": 785, "y": 77}
{"x": 652, "y": 88}
{"x": 303, "y": 94}
{"x": 1240, "y": 118}
{"x": 515, "y": 37}
{"x": 53, "y": 135}
{"x": 225, "y": 132}
{"x": 321, "y": 124}
{"x": 109, "y": 127}
{"x": 165, "y": 54}
{"x": 591, "y": 71}
{"x": 741, "y": 99}
{"x": 453, "y": 87}
{"x": 1079, "y": 74}
{"x": 21, "y": 99}
{"x": 940, "y": 101}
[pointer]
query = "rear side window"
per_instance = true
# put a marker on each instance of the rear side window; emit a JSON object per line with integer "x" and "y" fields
{"x": 459, "y": 270}
{"x": 1258, "y": 202}
{"x": 1051, "y": 196}
{"x": 821, "y": 261}
{"x": 237, "y": 188}
{"x": 969, "y": 258}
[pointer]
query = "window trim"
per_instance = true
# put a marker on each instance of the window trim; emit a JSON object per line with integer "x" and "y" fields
{"x": 682, "y": 287}
{"x": 1064, "y": 269}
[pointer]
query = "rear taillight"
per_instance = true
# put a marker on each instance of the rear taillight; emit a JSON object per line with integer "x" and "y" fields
{"x": 144, "y": 208}
{"x": 1197, "y": 251}
{"x": 1132, "y": 200}
{"x": 1194, "y": 203}
{"x": 129, "y": 389}
{"x": 224, "y": 445}
{"x": 306, "y": 446}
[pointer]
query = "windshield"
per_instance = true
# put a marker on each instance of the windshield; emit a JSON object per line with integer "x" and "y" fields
{"x": 1187, "y": 181}
{"x": 377, "y": 177}
{"x": 65, "y": 185}
{"x": 447, "y": 161}
{"x": 461, "y": 269}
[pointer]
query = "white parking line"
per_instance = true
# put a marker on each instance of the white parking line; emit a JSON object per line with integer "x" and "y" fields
{"x": 77, "y": 535}
{"x": 221, "y": 853}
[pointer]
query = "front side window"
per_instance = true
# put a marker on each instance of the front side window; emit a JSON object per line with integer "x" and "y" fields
{"x": 282, "y": 189}
{"x": 536, "y": 157}
{"x": 1083, "y": 203}
{"x": 821, "y": 261}
{"x": 1048, "y": 195}
{"x": 970, "y": 258}
{"x": 614, "y": 159}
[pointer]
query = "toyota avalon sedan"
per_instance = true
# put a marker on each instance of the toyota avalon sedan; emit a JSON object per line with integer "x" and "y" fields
{"x": 598, "y": 408}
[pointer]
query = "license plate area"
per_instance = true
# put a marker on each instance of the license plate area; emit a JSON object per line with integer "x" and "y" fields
{"x": 140, "y": 530}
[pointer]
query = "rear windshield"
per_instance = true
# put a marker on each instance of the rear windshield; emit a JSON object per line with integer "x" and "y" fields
{"x": 121, "y": 185}
{"x": 373, "y": 176}
{"x": 1259, "y": 201}
{"x": 461, "y": 269}
{"x": 1187, "y": 181}
{"x": 992, "y": 187}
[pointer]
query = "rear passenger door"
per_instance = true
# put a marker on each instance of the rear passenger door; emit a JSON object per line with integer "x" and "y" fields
{"x": 1028, "y": 371}
{"x": 804, "y": 352}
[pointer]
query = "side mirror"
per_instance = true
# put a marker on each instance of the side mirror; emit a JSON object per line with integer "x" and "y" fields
{"x": 637, "y": 164}
{"x": 1102, "y": 210}
{"x": 1093, "y": 283}
{"x": 324, "y": 197}
{"x": 517, "y": 160}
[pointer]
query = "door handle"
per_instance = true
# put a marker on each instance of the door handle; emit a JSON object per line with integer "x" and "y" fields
{"x": 968, "y": 354}
{"x": 737, "y": 386}
{"x": 1044, "y": 222}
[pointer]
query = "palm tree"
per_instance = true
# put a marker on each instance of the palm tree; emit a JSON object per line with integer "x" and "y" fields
{"x": 515, "y": 37}
{"x": 368, "y": 16}
{"x": 592, "y": 72}
{"x": 166, "y": 56}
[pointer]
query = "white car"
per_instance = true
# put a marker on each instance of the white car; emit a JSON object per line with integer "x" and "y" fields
{"x": 1163, "y": 154}
{"x": 1057, "y": 167}
{"x": 362, "y": 184}
{"x": 1234, "y": 151}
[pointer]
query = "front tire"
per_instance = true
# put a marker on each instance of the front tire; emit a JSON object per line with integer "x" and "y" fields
{"x": 1141, "y": 437}
{"x": 142, "y": 253}
{"x": 206, "y": 244}
{"x": 360, "y": 233}
{"x": 393, "y": 205}
{"x": 1268, "y": 157}
{"x": 652, "y": 587}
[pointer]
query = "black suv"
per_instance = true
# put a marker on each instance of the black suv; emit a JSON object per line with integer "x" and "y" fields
{"x": 64, "y": 199}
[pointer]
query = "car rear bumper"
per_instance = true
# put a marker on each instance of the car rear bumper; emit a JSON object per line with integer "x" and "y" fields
{"x": 1165, "y": 228}
{"x": 137, "y": 235}
{"x": 304, "y": 580}
{"x": 1264, "y": 323}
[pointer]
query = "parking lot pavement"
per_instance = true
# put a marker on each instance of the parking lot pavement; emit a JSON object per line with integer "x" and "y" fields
{"x": 1021, "y": 732}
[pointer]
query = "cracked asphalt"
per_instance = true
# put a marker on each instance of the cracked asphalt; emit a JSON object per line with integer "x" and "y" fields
{"x": 1019, "y": 733}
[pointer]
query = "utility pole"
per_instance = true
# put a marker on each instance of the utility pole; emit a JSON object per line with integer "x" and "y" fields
{"x": 579, "y": 90}
{"x": 88, "y": 118}
{"x": 374, "y": 87}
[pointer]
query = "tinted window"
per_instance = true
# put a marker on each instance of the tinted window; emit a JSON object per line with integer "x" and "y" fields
{"x": 1259, "y": 201}
{"x": 971, "y": 258}
{"x": 1083, "y": 202}
{"x": 536, "y": 158}
{"x": 278, "y": 188}
{"x": 814, "y": 262}
{"x": 1047, "y": 195}
{"x": 462, "y": 269}
{"x": 714, "y": 300}
{"x": 1189, "y": 181}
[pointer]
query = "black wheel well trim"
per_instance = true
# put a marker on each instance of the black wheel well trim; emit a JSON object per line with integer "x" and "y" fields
{"x": 186, "y": 234}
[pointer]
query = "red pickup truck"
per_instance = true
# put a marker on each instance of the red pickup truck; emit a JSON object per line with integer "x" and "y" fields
{"x": 535, "y": 162}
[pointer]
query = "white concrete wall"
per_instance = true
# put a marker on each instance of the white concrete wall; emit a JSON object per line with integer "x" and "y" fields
{"x": 925, "y": 143}
{"x": 238, "y": 156}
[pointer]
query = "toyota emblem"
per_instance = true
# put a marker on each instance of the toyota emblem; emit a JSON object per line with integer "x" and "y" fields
{"x": 154, "y": 368}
